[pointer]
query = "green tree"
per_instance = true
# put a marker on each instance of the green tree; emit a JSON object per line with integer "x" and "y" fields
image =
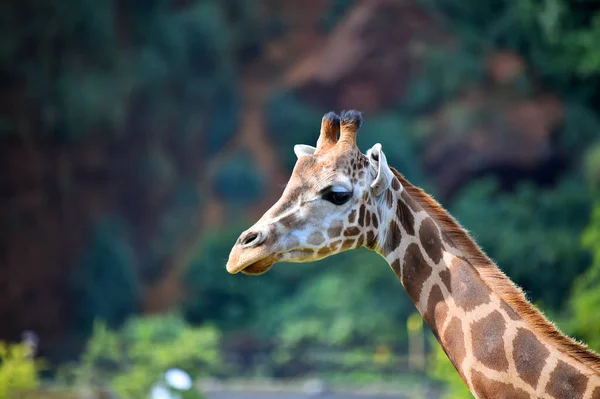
{"x": 585, "y": 299}
{"x": 536, "y": 229}
{"x": 133, "y": 358}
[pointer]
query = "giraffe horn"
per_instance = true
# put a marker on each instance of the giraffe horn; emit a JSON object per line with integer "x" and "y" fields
{"x": 330, "y": 127}
{"x": 350, "y": 122}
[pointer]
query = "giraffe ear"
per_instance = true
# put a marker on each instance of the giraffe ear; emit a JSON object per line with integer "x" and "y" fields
{"x": 302, "y": 149}
{"x": 380, "y": 171}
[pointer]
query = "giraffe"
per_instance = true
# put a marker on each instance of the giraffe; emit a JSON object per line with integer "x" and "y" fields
{"x": 339, "y": 199}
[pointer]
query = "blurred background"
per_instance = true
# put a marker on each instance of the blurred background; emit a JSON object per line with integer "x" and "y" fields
{"x": 139, "y": 138}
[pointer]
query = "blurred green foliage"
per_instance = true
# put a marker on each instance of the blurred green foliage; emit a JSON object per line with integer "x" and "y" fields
{"x": 18, "y": 370}
{"x": 130, "y": 360}
{"x": 442, "y": 369}
{"x": 291, "y": 122}
{"x": 585, "y": 298}
{"x": 536, "y": 229}
{"x": 108, "y": 264}
{"x": 237, "y": 181}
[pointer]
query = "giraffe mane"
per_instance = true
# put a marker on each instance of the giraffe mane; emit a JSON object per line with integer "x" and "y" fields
{"x": 497, "y": 280}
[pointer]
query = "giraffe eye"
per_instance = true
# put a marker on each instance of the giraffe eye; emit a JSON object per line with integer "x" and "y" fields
{"x": 337, "y": 197}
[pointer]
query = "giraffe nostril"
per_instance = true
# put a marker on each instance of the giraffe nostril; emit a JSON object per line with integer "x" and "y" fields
{"x": 252, "y": 238}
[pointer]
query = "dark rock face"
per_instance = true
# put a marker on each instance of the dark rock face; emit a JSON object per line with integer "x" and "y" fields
{"x": 499, "y": 134}
{"x": 369, "y": 60}
{"x": 498, "y": 121}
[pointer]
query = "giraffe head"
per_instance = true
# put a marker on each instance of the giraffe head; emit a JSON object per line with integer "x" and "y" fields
{"x": 334, "y": 201}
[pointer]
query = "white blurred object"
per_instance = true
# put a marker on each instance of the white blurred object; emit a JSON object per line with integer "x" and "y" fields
{"x": 32, "y": 340}
{"x": 314, "y": 387}
{"x": 159, "y": 391}
{"x": 178, "y": 379}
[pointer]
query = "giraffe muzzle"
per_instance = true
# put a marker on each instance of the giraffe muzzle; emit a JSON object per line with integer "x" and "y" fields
{"x": 250, "y": 254}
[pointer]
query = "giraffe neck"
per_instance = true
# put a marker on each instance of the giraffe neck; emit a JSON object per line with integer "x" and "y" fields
{"x": 494, "y": 346}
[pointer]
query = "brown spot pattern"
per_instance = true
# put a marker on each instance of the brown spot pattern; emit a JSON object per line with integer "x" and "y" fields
{"x": 430, "y": 239}
{"x": 490, "y": 389}
{"x": 529, "y": 355}
{"x": 367, "y": 218}
{"x": 352, "y": 216}
{"x": 315, "y": 238}
{"x": 324, "y": 251}
{"x": 370, "y": 239}
{"x": 352, "y": 231}
{"x": 436, "y": 310}
{"x": 396, "y": 267}
{"x": 488, "y": 345}
{"x": 415, "y": 271}
{"x": 596, "y": 393}
{"x": 393, "y": 238}
{"x": 466, "y": 286}
{"x": 347, "y": 244}
{"x": 375, "y": 220}
{"x": 335, "y": 245}
{"x": 361, "y": 241}
{"x": 361, "y": 215}
{"x": 293, "y": 242}
{"x": 411, "y": 202}
{"x": 509, "y": 311}
{"x": 454, "y": 343}
{"x": 395, "y": 184}
{"x": 389, "y": 198}
{"x": 445, "y": 276}
{"x": 406, "y": 218}
{"x": 447, "y": 240}
{"x": 335, "y": 230}
{"x": 288, "y": 221}
{"x": 566, "y": 382}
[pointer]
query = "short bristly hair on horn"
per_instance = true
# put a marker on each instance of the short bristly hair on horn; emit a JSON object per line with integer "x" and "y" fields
{"x": 350, "y": 122}
{"x": 330, "y": 127}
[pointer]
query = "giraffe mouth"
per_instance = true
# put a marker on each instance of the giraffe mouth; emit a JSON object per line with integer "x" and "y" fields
{"x": 259, "y": 267}
{"x": 254, "y": 267}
